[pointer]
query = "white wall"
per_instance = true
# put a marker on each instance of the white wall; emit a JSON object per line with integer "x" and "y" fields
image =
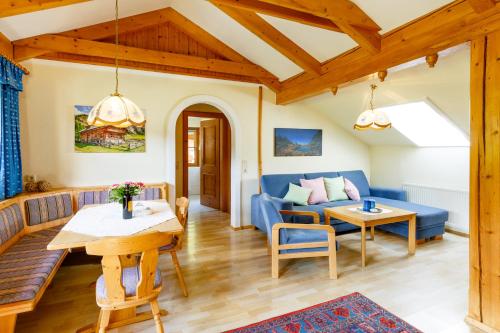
{"x": 47, "y": 129}
{"x": 446, "y": 168}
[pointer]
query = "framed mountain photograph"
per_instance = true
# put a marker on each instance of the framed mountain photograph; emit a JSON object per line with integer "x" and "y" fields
{"x": 298, "y": 142}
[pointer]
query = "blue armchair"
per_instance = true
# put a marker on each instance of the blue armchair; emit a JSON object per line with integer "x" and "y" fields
{"x": 295, "y": 240}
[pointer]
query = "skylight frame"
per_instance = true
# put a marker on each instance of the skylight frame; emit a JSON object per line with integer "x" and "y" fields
{"x": 439, "y": 112}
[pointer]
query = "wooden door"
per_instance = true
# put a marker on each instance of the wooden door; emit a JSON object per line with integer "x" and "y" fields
{"x": 210, "y": 163}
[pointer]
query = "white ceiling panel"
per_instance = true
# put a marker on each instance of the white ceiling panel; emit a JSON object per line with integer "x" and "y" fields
{"x": 320, "y": 43}
{"x": 390, "y": 14}
{"x": 73, "y": 16}
{"x": 237, "y": 37}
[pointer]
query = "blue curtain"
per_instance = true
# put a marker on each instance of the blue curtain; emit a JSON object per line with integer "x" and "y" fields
{"x": 11, "y": 175}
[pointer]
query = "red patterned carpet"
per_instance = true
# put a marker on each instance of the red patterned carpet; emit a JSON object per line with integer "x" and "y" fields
{"x": 352, "y": 313}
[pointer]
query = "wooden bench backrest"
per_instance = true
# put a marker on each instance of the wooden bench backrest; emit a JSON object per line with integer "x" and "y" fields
{"x": 45, "y": 223}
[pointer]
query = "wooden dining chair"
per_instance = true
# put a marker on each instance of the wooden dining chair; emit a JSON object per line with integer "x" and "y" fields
{"x": 123, "y": 285}
{"x": 176, "y": 243}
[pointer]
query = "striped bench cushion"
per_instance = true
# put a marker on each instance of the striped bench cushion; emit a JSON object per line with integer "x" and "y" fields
{"x": 25, "y": 267}
{"x": 150, "y": 193}
{"x": 11, "y": 222}
{"x": 50, "y": 208}
{"x": 102, "y": 197}
{"x": 92, "y": 198}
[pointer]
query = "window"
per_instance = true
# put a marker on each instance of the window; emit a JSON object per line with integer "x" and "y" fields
{"x": 193, "y": 146}
{"x": 423, "y": 124}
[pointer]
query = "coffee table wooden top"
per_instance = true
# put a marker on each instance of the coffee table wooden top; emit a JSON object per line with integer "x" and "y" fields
{"x": 354, "y": 217}
{"x": 69, "y": 240}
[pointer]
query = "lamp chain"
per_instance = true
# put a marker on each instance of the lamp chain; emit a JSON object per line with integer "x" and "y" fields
{"x": 373, "y": 86}
{"x": 116, "y": 47}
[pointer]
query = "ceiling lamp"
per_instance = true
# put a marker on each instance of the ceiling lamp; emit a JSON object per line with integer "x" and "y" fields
{"x": 372, "y": 119}
{"x": 115, "y": 109}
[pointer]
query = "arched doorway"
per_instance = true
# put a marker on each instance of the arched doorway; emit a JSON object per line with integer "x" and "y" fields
{"x": 203, "y": 158}
{"x": 235, "y": 184}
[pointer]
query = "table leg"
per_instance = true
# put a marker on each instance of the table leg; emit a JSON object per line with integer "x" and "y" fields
{"x": 363, "y": 246}
{"x": 412, "y": 235}
{"x": 372, "y": 233}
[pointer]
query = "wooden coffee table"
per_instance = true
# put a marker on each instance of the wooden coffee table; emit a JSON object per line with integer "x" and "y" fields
{"x": 346, "y": 214}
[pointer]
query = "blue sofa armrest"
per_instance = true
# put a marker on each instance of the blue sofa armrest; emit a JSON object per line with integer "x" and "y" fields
{"x": 388, "y": 193}
{"x": 256, "y": 215}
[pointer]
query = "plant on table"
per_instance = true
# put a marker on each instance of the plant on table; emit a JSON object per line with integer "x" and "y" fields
{"x": 128, "y": 189}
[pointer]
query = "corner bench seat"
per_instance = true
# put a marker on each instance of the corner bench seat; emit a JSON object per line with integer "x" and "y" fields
{"x": 26, "y": 266}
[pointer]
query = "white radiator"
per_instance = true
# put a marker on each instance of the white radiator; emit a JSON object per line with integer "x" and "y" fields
{"x": 456, "y": 202}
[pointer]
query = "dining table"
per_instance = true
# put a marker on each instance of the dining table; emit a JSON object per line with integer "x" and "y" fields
{"x": 95, "y": 222}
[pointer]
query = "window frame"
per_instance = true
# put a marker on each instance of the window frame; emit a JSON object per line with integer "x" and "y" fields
{"x": 196, "y": 147}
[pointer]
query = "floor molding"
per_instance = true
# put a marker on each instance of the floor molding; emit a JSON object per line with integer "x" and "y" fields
{"x": 479, "y": 325}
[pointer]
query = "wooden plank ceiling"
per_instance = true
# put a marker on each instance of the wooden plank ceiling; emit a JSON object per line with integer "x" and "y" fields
{"x": 165, "y": 41}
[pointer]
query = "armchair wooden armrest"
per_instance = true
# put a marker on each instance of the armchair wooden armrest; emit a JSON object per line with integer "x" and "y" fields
{"x": 330, "y": 245}
{"x": 314, "y": 215}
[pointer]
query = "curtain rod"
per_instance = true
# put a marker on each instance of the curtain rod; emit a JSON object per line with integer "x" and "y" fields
{"x": 21, "y": 67}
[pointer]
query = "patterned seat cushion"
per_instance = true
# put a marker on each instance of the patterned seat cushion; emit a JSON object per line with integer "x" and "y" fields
{"x": 130, "y": 279}
{"x": 50, "y": 208}
{"x": 150, "y": 193}
{"x": 171, "y": 245}
{"x": 25, "y": 267}
{"x": 92, "y": 198}
{"x": 11, "y": 222}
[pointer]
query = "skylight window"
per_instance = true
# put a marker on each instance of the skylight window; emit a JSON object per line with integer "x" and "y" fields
{"x": 425, "y": 126}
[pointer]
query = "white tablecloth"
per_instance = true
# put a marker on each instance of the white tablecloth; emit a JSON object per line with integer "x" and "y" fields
{"x": 106, "y": 220}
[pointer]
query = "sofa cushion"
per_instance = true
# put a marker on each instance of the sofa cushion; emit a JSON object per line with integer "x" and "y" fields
{"x": 358, "y": 178}
{"x": 335, "y": 188}
{"x": 426, "y": 216}
{"x": 130, "y": 279}
{"x": 297, "y": 194}
{"x": 25, "y": 266}
{"x": 277, "y": 185}
{"x": 92, "y": 198}
{"x": 318, "y": 194}
{"x": 321, "y": 174}
{"x": 351, "y": 190}
{"x": 11, "y": 222}
{"x": 49, "y": 208}
{"x": 306, "y": 236}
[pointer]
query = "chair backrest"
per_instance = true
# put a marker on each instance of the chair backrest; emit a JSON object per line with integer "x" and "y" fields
{"x": 271, "y": 215}
{"x": 113, "y": 250}
{"x": 182, "y": 209}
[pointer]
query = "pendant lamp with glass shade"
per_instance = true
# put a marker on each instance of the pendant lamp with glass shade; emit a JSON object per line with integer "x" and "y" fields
{"x": 115, "y": 109}
{"x": 372, "y": 119}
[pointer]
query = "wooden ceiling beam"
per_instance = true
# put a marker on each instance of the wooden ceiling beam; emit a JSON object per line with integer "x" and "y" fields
{"x": 338, "y": 11}
{"x": 281, "y": 12}
{"x": 100, "y": 31}
{"x": 345, "y": 14}
{"x": 451, "y": 25}
{"x": 6, "y": 48}
{"x": 107, "y": 50}
{"x": 108, "y": 62}
{"x": 17, "y": 7}
{"x": 273, "y": 37}
{"x": 206, "y": 39}
{"x": 482, "y": 5}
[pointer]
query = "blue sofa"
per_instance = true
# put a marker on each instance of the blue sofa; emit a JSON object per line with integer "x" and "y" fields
{"x": 430, "y": 220}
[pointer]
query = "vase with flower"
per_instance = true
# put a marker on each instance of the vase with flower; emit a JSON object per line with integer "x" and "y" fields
{"x": 124, "y": 193}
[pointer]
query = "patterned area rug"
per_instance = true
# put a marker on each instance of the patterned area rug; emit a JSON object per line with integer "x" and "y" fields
{"x": 353, "y": 313}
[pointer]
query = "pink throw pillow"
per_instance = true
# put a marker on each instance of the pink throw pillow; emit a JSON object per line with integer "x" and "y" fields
{"x": 351, "y": 190}
{"x": 318, "y": 194}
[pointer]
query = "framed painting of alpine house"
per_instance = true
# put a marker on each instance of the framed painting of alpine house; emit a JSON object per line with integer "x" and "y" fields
{"x": 298, "y": 142}
{"x": 106, "y": 139}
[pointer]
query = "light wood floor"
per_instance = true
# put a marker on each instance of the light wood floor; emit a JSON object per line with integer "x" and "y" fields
{"x": 228, "y": 274}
